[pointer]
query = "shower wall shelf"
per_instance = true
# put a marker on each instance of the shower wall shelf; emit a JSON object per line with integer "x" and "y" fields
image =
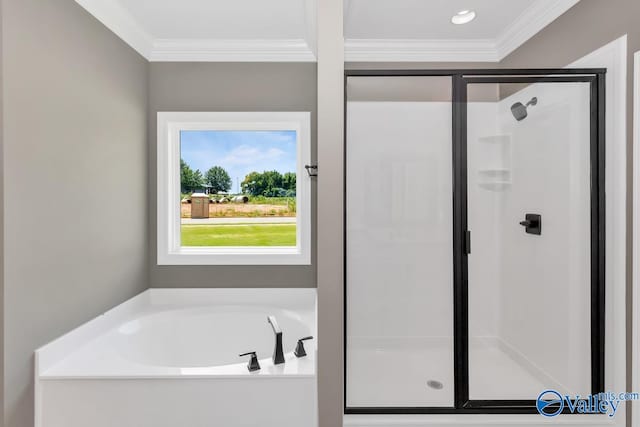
{"x": 494, "y": 160}
{"x": 495, "y": 186}
{"x": 495, "y": 173}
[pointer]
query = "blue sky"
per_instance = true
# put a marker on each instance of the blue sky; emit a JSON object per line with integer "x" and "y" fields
{"x": 239, "y": 152}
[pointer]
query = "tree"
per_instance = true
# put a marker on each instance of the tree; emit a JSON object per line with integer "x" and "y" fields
{"x": 218, "y": 179}
{"x": 270, "y": 184}
{"x": 198, "y": 180}
{"x": 289, "y": 181}
{"x": 189, "y": 180}
{"x": 252, "y": 184}
{"x": 273, "y": 183}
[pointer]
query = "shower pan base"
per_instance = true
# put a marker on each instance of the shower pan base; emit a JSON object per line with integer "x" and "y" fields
{"x": 500, "y": 371}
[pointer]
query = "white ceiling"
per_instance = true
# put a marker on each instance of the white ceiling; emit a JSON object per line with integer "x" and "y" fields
{"x": 420, "y": 19}
{"x": 421, "y": 30}
{"x": 284, "y": 30}
{"x": 212, "y": 30}
{"x": 211, "y": 19}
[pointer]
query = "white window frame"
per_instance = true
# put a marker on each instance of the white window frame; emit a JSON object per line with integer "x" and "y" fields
{"x": 170, "y": 251}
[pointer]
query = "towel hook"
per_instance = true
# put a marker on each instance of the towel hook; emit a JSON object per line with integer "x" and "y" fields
{"x": 312, "y": 170}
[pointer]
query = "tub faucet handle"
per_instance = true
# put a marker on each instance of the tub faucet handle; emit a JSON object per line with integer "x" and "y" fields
{"x": 299, "y": 351}
{"x": 253, "y": 364}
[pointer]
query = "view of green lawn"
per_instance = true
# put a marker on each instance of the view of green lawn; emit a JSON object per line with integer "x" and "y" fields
{"x": 239, "y": 235}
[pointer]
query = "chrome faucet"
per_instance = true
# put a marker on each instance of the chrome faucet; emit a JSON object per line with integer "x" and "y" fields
{"x": 278, "y": 354}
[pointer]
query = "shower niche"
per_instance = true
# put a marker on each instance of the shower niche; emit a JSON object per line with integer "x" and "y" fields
{"x": 493, "y": 154}
{"x": 450, "y": 307}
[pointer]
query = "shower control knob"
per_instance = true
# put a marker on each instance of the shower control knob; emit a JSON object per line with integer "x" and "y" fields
{"x": 253, "y": 364}
{"x": 532, "y": 224}
{"x": 299, "y": 351}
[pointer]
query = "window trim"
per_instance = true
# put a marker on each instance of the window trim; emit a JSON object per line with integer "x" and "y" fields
{"x": 170, "y": 251}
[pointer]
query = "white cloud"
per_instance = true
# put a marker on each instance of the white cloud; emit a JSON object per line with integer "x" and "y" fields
{"x": 275, "y": 153}
{"x": 245, "y": 155}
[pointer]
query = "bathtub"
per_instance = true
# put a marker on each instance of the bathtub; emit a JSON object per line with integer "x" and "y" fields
{"x": 169, "y": 357}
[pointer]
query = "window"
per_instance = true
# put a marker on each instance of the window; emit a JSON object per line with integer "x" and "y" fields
{"x": 233, "y": 189}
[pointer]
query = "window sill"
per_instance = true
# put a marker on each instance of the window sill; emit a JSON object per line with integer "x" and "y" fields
{"x": 235, "y": 256}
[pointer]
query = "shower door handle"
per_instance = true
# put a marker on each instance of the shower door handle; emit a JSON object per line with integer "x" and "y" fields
{"x": 467, "y": 242}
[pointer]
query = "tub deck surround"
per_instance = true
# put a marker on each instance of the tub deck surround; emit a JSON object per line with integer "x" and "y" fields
{"x": 173, "y": 354}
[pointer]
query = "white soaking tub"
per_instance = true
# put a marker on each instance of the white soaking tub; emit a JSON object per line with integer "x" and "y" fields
{"x": 169, "y": 357}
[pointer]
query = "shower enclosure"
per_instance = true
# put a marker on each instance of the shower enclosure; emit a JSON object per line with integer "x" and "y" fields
{"x": 474, "y": 239}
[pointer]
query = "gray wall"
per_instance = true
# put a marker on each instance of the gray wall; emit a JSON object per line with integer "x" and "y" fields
{"x": 585, "y": 27}
{"x": 229, "y": 87}
{"x": 75, "y": 156}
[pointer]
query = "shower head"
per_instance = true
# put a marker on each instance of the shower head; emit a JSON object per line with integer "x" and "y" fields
{"x": 519, "y": 110}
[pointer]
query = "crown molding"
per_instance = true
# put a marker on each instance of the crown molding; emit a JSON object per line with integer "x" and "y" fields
{"x": 121, "y": 23}
{"x": 412, "y": 50}
{"x": 536, "y": 17}
{"x": 276, "y": 50}
{"x": 533, "y": 20}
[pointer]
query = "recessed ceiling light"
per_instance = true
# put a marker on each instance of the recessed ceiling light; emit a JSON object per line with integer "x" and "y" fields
{"x": 463, "y": 17}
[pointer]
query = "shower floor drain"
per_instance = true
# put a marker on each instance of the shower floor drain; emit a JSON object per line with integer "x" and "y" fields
{"x": 436, "y": 385}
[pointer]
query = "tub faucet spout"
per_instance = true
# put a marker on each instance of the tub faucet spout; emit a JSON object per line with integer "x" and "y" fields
{"x": 278, "y": 354}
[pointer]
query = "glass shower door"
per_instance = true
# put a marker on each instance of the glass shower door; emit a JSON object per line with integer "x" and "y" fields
{"x": 399, "y": 321}
{"x": 531, "y": 215}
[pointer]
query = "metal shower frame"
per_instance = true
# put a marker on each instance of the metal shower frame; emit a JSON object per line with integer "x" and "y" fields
{"x": 461, "y": 234}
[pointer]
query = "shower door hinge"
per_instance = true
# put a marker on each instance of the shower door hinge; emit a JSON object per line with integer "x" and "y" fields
{"x": 467, "y": 242}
